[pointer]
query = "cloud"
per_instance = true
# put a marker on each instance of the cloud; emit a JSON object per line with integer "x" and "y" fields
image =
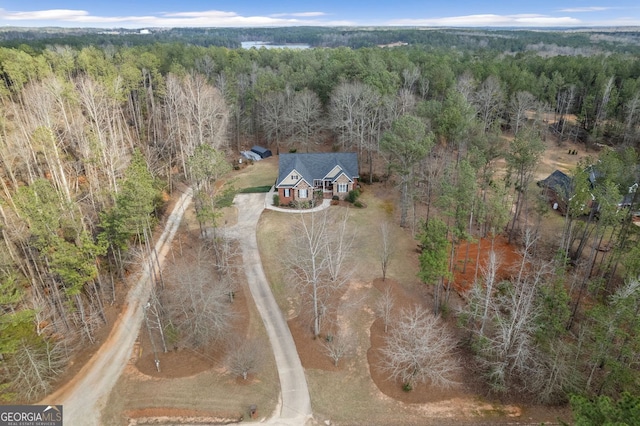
{"x": 491, "y": 20}
{"x": 38, "y": 15}
{"x": 207, "y": 18}
{"x": 298, "y": 14}
{"x": 585, "y": 9}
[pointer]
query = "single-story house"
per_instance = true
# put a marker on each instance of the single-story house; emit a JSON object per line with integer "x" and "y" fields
{"x": 262, "y": 152}
{"x": 300, "y": 175}
{"x": 557, "y": 188}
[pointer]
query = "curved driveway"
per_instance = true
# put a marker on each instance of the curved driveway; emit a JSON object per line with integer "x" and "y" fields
{"x": 295, "y": 402}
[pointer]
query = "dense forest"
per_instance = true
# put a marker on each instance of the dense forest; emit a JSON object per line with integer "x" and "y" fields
{"x": 96, "y": 129}
{"x": 587, "y": 41}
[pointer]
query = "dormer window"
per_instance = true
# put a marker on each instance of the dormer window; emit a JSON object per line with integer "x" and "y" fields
{"x": 294, "y": 177}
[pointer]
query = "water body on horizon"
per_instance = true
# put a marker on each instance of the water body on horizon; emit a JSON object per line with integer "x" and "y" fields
{"x": 268, "y": 45}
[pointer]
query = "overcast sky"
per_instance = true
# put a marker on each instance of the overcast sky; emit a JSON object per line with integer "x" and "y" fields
{"x": 258, "y": 13}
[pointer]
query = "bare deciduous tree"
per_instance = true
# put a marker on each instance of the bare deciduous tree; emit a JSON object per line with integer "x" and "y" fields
{"x": 386, "y": 248}
{"x": 244, "y": 357}
{"x": 305, "y": 117}
{"x": 339, "y": 345}
{"x": 196, "y": 113}
{"x": 339, "y": 241}
{"x": 273, "y": 116}
{"x": 316, "y": 258}
{"x": 419, "y": 349}
{"x": 35, "y": 366}
{"x": 489, "y": 101}
{"x": 506, "y": 322}
{"x": 197, "y": 302}
{"x": 384, "y": 307}
{"x": 520, "y": 104}
{"x": 476, "y": 312}
{"x": 410, "y": 78}
{"x": 631, "y": 116}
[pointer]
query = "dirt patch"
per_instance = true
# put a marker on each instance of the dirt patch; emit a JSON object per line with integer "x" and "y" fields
{"x": 310, "y": 350}
{"x": 174, "y": 364}
{"x": 421, "y": 393}
{"x": 471, "y": 257}
{"x": 172, "y": 416}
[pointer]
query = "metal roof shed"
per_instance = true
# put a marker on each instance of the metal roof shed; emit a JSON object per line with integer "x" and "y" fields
{"x": 262, "y": 152}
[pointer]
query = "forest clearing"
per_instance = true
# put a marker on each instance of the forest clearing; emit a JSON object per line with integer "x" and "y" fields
{"x": 450, "y": 286}
{"x": 457, "y": 406}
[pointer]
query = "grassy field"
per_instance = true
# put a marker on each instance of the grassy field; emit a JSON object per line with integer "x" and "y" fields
{"x": 258, "y": 174}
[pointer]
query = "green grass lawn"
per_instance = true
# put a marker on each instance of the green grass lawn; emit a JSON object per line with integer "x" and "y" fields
{"x": 259, "y": 174}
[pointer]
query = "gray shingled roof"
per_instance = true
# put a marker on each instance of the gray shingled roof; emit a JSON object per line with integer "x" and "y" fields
{"x": 317, "y": 165}
{"x": 559, "y": 182}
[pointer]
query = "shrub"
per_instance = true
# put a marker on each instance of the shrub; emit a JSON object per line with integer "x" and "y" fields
{"x": 407, "y": 387}
{"x": 226, "y": 198}
{"x": 358, "y": 204}
{"x": 335, "y": 198}
{"x": 292, "y": 151}
{"x": 276, "y": 200}
{"x": 353, "y": 195}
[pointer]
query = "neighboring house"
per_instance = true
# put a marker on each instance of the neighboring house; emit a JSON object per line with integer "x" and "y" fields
{"x": 557, "y": 188}
{"x": 300, "y": 175}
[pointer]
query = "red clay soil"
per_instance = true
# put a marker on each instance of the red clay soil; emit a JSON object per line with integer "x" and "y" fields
{"x": 179, "y": 416}
{"x": 507, "y": 254}
{"x": 421, "y": 393}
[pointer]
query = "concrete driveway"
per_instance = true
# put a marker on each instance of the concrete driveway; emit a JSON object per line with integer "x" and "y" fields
{"x": 295, "y": 408}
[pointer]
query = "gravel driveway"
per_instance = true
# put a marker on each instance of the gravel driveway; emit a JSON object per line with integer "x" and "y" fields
{"x": 84, "y": 397}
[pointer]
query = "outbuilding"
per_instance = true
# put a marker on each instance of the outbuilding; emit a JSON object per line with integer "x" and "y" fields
{"x": 558, "y": 188}
{"x": 262, "y": 152}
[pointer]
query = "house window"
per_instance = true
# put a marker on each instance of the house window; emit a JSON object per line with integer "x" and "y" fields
{"x": 302, "y": 193}
{"x": 294, "y": 177}
{"x": 287, "y": 192}
{"x": 342, "y": 187}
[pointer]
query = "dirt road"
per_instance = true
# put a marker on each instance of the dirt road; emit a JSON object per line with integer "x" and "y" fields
{"x": 295, "y": 403}
{"x": 84, "y": 397}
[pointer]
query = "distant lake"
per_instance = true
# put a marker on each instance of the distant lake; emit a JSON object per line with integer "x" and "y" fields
{"x": 267, "y": 45}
